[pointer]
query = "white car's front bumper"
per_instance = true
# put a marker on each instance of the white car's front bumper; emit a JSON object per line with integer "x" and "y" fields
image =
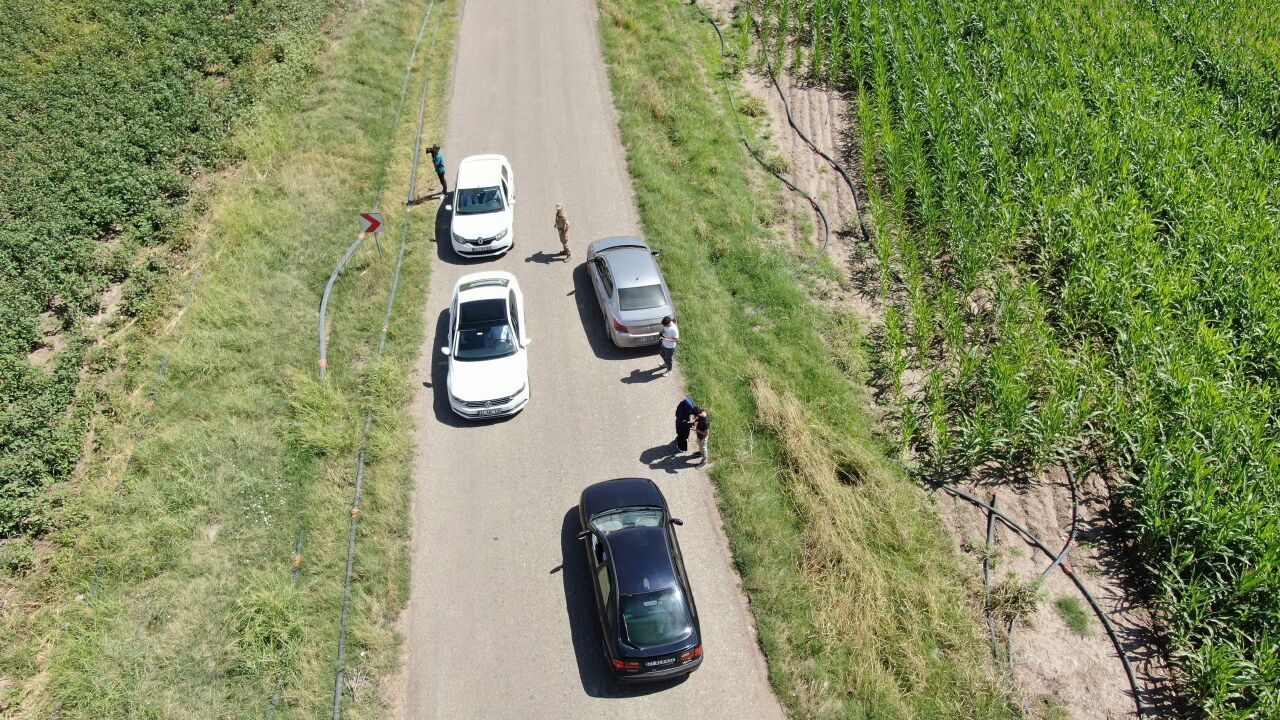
{"x": 483, "y": 410}
{"x": 493, "y": 247}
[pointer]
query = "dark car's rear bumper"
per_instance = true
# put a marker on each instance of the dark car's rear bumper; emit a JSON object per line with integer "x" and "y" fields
{"x": 658, "y": 675}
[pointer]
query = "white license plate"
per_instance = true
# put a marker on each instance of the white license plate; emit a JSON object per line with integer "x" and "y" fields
{"x": 486, "y": 413}
{"x": 659, "y": 663}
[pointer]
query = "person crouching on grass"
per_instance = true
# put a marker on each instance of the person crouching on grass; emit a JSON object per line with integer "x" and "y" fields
{"x": 702, "y": 430}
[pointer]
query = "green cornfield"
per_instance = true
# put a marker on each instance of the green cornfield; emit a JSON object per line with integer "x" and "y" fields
{"x": 1077, "y": 224}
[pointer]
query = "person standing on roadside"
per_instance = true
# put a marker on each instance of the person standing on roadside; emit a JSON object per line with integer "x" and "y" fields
{"x": 667, "y": 348}
{"x": 437, "y": 159}
{"x": 684, "y": 423}
{"x": 702, "y": 430}
{"x": 562, "y": 227}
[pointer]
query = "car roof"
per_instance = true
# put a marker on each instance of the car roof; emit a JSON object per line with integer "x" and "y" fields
{"x": 484, "y": 285}
{"x": 641, "y": 559}
{"x": 480, "y": 171}
{"x": 621, "y": 493}
{"x": 632, "y": 267}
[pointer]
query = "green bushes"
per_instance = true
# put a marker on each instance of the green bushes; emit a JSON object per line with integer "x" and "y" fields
{"x": 1077, "y": 205}
{"x": 110, "y": 108}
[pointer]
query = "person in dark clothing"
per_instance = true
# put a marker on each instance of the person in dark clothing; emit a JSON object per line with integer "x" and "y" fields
{"x": 437, "y": 158}
{"x": 684, "y": 423}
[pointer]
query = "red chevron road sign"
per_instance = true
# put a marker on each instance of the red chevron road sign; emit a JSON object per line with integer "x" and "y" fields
{"x": 372, "y": 222}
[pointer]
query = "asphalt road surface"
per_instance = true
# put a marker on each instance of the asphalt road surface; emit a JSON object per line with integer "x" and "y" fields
{"x": 500, "y": 622}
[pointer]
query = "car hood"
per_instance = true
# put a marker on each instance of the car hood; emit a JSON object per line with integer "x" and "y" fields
{"x": 480, "y": 380}
{"x": 483, "y": 225}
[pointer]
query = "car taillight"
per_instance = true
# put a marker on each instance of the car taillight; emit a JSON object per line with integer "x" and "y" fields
{"x": 693, "y": 654}
{"x": 625, "y": 665}
{"x": 619, "y": 326}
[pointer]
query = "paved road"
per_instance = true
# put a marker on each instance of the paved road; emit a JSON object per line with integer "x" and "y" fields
{"x": 500, "y": 622}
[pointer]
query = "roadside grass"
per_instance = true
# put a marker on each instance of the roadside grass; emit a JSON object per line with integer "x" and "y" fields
{"x": 167, "y": 592}
{"x": 860, "y": 603}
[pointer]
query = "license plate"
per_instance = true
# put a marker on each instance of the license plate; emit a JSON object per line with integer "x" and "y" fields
{"x": 486, "y": 413}
{"x": 657, "y": 663}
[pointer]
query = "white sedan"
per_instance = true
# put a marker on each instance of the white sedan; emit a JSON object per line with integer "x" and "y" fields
{"x": 488, "y": 347}
{"x": 483, "y": 199}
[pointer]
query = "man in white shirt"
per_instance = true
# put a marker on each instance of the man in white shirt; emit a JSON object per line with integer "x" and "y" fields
{"x": 670, "y": 336}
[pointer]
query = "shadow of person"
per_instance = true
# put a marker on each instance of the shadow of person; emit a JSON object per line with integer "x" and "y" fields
{"x": 584, "y": 624}
{"x": 544, "y": 258}
{"x": 667, "y": 457}
{"x": 642, "y": 376}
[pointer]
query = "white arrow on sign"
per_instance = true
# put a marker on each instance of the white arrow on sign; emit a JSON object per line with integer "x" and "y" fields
{"x": 372, "y": 222}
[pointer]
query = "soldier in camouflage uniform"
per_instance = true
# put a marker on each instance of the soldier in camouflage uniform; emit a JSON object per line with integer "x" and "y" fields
{"x": 562, "y": 227}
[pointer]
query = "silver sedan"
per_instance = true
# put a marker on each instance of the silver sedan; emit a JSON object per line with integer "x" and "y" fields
{"x": 633, "y": 296}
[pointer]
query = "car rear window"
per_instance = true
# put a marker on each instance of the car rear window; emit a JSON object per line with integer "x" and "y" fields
{"x": 641, "y": 298}
{"x": 656, "y": 618}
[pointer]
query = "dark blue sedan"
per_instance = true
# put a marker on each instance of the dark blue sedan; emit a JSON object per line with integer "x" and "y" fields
{"x": 647, "y": 614}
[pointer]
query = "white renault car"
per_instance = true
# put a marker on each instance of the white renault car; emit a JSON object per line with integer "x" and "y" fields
{"x": 488, "y": 348}
{"x": 483, "y": 197}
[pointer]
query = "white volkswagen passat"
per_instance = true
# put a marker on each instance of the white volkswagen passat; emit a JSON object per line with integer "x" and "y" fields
{"x": 483, "y": 197}
{"x": 488, "y": 347}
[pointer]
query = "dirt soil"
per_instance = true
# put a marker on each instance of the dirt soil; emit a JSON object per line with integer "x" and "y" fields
{"x": 1054, "y": 666}
{"x": 1056, "y": 671}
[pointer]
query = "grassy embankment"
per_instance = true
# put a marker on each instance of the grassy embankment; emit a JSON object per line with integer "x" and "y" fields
{"x": 111, "y": 109}
{"x": 167, "y": 593}
{"x": 861, "y": 607}
{"x": 1078, "y": 206}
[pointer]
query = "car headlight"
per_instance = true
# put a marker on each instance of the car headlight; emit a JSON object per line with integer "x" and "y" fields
{"x": 457, "y": 238}
{"x": 502, "y": 234}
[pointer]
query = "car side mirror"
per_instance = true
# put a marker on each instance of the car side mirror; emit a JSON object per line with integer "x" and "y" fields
{"x": 584, "y": 534}
{"x": 526, "y": 342}
{"x": 677, "y": 521}
{"x": 656, "y": 253}
{"x": 449, "y": 208}
{"x": 444, "y": 351}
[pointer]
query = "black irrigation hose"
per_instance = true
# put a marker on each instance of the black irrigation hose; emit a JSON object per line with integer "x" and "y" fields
{"x": 355, "y": 245}
{"x": 986, "y": 580}
{"x": 786, "y": 105}
{"x": 1075, "y": 519}
{"x": 1057, "y": 559}
{"x": 340, "y": 672}
{"x": 1066, "y": 569}
{"x": 754, "y": 152}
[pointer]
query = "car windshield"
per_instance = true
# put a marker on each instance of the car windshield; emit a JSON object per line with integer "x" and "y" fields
{"x": 483, "y": 331}
{"x": 474, "y": 201}
{"x": 641, "y": 298}
{"x": 627, "y": 518}
{"x": 655, "y": 618}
